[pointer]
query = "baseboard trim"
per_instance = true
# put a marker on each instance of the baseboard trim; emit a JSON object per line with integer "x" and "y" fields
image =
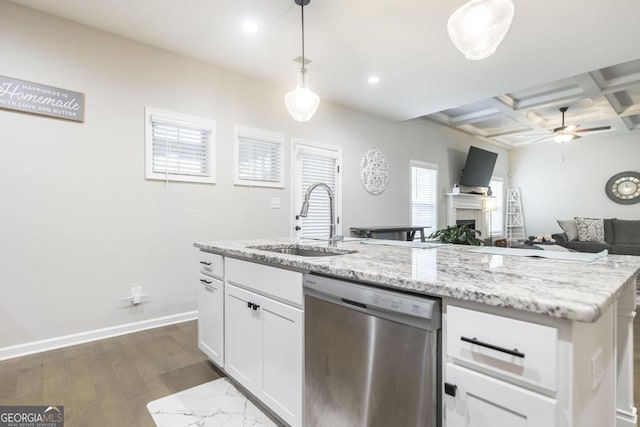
{"x": 96, "y": 334}
{"x": 626, "y": 419}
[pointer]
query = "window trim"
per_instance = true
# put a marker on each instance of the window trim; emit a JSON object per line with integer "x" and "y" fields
{"x": 296, "y": 191}
{"x": 184, "y": 120}
{"x": 262, "y": 134}
{"x": 432, "y": 166}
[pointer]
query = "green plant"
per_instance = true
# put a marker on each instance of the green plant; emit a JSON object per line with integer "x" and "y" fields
{"x": 459, "y": 235}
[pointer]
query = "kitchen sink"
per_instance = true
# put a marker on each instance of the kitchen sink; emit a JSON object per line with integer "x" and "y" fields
{"x": 305, "y": 251}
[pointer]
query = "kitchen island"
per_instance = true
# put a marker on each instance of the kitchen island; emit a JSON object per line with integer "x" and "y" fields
{"x": 572, "y": 320}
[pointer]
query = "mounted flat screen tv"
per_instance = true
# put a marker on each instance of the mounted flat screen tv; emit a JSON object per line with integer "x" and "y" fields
{"x": 478, "y": 168}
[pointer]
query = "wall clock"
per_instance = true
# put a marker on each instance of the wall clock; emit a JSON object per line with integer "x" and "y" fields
{"x": 374, "y": 172}
{"x": 624, "y": 187}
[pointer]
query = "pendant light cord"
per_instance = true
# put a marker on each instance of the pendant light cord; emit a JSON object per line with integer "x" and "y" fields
{"x": 302, "y": 13}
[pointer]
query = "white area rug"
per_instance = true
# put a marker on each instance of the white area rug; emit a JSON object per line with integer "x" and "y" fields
{"x": 216, "y": 403}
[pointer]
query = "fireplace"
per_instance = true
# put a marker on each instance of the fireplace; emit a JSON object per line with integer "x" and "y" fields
{"x": 470, "y": 222}
{"x": 463, "y": 208}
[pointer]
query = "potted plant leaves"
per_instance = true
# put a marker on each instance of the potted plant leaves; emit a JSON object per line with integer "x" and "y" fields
{"x": 458, "y": 235}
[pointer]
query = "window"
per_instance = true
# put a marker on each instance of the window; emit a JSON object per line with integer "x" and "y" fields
{"x": 424, "y": 194}
{"x": 179, "y": 147}
{"x": 497, "y": 223}
{"x": 313, "y": 163}
{"x": 259, "y": 157}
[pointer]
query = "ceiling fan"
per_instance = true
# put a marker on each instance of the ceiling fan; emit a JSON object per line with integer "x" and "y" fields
{"x": 568, "y": 133}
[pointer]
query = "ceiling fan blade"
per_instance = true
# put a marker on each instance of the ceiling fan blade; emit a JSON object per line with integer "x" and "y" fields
{"x": 593, "y": 129}
{"x": 539, "y": 139}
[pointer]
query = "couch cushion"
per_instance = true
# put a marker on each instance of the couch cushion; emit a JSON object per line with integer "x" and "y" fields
{"x": 569, "y": 226}
{"x": 608, "y": 230}
{"x": 625, "y": 249}
{"x": 590, "y": 229}
{"x": 588, "y": 246}
{"x": 626, "y": 232}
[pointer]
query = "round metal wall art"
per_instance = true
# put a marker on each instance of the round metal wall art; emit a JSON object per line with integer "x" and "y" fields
{"x": 374, "y": 172}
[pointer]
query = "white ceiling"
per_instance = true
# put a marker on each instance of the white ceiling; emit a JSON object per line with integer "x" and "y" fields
{"x": 405, "y": 42}
{"x": 606, "y": 97}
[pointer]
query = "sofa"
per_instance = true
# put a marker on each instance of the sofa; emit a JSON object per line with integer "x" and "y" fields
{"x": 621, "y": 237}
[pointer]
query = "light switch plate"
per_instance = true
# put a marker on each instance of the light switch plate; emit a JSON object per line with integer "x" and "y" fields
{"x": 275, "y": 203}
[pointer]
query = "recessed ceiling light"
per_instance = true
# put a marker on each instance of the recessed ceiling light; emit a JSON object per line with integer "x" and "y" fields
{"x": 373, "y": 80}
{"x": 250, "y": 27}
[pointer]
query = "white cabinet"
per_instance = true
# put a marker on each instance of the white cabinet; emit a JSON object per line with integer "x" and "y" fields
{"x": 243, "y": 325}
{"x": 264, "y": 335}
{"x": 499, "y": 371}
{"x": 210, "y": 318}
{"x": 506, "y": 368}
{"x": 211, "y": 307}
{"x": 483, "y": 401}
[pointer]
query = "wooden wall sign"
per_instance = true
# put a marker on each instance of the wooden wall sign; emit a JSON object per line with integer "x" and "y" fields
{"x": 28, "y": 97}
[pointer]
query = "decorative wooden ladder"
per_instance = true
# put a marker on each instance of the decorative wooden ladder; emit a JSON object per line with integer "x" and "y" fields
{"x": 515, "y": 218}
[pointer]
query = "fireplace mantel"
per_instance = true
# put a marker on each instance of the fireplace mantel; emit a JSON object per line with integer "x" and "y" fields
{"x": 461, "y": 206}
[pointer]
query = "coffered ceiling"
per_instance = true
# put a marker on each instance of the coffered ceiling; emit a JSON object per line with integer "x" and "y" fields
{"x": 405, "y": 43}
{"x": 606, "y": 97}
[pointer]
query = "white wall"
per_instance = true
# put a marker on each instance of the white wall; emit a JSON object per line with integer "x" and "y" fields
{"x": 79, "y": 224}
{"x": 561, "y": 181}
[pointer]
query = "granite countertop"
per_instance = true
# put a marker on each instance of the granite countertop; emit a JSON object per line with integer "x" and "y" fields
{"x": 564, "y": 289}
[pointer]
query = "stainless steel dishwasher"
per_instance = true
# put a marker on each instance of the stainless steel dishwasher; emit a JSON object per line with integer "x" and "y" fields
{"x": 371, "y": 356}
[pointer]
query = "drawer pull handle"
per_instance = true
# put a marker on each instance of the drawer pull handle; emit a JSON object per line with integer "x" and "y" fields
{"x": 475, "y": 341}
{"x": 252, "y": 306}
{"x": 450, "y": 389}
{"x": 205, "y": 263}
{"x": 205, "y": 281}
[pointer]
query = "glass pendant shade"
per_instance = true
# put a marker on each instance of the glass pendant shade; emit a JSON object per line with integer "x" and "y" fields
{"x": 478, "y": 27}
{"x": 301, "y": 103}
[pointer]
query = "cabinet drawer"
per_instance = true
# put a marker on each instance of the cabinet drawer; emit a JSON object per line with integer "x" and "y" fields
{"x": 211, "y": 264}
{"x": 282, "y": 284}
{"x": 513, "y": 348}
{"x": 479, "y": 400}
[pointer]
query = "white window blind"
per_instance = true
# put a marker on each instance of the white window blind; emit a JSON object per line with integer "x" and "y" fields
{"x": 317, "y": 166}
{"x": 259, "y": 158}
{"x": 179, "y": 147}
{"x": 424, "y": 195}
{"x": 497, "y": 216}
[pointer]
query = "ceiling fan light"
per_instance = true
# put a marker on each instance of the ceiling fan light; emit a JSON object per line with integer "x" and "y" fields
{"x": 479, "y": 26}
{"x": 564, "y": 137}
{"x": 301, "y": 102}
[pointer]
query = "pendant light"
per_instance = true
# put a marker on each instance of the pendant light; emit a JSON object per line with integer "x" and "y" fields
{"x": 301, "y": 103}
{"x": 478, "y": 27}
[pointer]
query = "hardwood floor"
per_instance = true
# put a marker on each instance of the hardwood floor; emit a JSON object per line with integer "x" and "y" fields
{"x": 110, "y": 382}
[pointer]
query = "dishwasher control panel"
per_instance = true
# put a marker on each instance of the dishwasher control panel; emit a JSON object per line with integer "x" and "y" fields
{"x": 365, "y": 297}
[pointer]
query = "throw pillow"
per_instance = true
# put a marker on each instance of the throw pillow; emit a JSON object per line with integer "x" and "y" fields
{"x": 590, "y": 229}
{"x": 569, "y": 226}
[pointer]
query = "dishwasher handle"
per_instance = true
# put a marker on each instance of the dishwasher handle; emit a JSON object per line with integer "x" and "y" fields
{"x": 354, "y": 303}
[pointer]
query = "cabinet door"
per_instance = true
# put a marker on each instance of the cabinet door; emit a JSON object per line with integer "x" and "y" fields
{"x": 243, "y": 332}
{"x": 282, "y": 360}
{"x": 211, "y": 318}
{"x": 482, "y": 401}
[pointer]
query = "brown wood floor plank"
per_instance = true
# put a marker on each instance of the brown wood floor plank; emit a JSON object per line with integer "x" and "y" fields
{"x": 30, "y": 376}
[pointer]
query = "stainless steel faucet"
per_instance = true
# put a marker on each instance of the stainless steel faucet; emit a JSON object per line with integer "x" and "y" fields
{"x": 332, "y": 213}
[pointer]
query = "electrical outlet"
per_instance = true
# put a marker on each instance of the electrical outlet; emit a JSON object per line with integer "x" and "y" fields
{"x": 136, "y": 294}
{"x": 597, "y": 368}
